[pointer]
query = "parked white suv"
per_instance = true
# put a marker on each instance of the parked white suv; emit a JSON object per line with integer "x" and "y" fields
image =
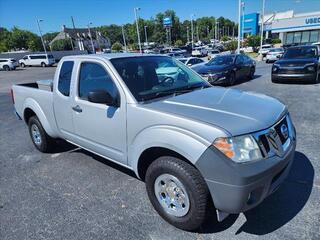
{"x": 199, "y": 52}
{"x": 42, "y": 60}
{"x": 8, "y": 64}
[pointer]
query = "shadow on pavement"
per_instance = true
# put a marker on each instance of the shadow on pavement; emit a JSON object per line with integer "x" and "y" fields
{"x": 279, "y": 208}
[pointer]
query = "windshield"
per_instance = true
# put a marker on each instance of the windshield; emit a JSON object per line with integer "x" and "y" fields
{"x": 221, "y": 60}
{"x": 303, "y": 52}
{"x": 151, "y": 77}
{"x": 276, "y": 50}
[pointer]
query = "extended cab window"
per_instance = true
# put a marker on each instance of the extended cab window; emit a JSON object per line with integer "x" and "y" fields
{"x": 94, "y": 77}
{"x": 65, "y": 77}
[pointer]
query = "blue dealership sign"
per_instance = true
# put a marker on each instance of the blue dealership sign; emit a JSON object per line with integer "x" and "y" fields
{"x": 167, "y": 22}
{"x": 313, "y": 20}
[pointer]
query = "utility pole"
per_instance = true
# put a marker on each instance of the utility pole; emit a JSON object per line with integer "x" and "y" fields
{"x": 137, "y": 26}
{"x": 191, "y": 16}
{"x": 207, "y": 31}
{"x": 44, "y": 46}
{"x": 239, "y": 26}
{"x": 145, "y": 34}
{"x": 124, "y": 38}
{"x": 216, "y": 31}
{"x": 198, "y": 33}
{"x": 262, "y": 24}
{"x": 93, "y": 50}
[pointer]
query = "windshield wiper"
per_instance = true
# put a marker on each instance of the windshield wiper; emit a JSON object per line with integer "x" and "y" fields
{"x": 174, "y": 92}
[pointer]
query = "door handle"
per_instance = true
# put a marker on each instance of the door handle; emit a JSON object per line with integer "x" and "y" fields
{"x": 77, "y": 109}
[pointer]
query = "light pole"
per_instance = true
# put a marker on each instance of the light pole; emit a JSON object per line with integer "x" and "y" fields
{"x": 188, "y": 34}
{"x": 239, "y": 26}
{"x": 242, "y": 27}
{"x": 93, "y": 50}
{"x": 44, "y": 46}
{"x": 191, "y": 16}
{"x": 124, "y": 38}
{"x": 262, "y": 23}
{"x": 216, "y": 30}
{"x": 207, "y": 31}
{"x": 136, "y": 9}
{"x": 146, "y": 35}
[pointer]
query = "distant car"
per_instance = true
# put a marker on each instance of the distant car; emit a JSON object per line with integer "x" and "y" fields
{"x": 175, "y": 54}
{"x": 190, "y": 61}
{"x": 227, "y": 69}
{"x": 8, "y": 64}
{"x": 212, "y": 53}
{"x": 42, "y": 60}
{"x": 299, "y": 64}
{"x": 265, "y": 49}
{"x": 199, "y": 52}
{"x": 274, "y": 54}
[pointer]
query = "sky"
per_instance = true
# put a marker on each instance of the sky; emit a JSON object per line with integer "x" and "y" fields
{"x": 55, "y": 13}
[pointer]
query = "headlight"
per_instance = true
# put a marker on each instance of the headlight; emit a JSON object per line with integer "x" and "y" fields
{"x": 274, "y": 69}
{"x": 239, "y": 149}
{"x": 311, "y": 68}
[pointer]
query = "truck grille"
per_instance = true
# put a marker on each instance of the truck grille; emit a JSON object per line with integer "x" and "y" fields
{"x": 276, "y": 139}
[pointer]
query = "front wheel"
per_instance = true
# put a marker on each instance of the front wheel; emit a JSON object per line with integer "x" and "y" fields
{"x": 41, "y": 140}
{"x": 6, "y": 68}
{"x": 178, "y": 192}
{"x": 251, "y": 73}
{"x": 232, "y": 79}
{"x": 22, "y": 65}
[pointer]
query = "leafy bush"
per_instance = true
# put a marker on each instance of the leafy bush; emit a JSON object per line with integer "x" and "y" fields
{"x": 116, "y": 47}
{"x": 276, "y": 41}
{"x": 61, "y": 45}
{"x": 231, "y": 46}
{"x": 178, "y": 43}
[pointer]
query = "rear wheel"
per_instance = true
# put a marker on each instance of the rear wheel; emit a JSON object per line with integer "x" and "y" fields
{"x": 232, "y": 79}
{"x": 41, "y": 140}
{"x": 6, "y": 68}
{"x": 178, "y": 192}
{"x": 43, "y": 64}
{"x": 251, "y": 73}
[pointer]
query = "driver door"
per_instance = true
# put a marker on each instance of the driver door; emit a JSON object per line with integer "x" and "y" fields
{"x": 98, "y": 127}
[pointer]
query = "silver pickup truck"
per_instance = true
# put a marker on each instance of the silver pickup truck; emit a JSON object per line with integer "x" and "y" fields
{"x": 194, "y": 145}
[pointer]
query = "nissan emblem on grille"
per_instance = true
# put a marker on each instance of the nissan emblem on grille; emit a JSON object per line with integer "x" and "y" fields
{"x": 284, "y": 131}
{"x": 275, "y": 142}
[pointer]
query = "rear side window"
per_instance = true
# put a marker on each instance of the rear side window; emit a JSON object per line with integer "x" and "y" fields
{"x": 94, "y": 77}
{"x": 65, "y": 78}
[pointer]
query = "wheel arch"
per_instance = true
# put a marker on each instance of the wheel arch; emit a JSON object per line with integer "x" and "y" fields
{"x": 166, "y": 141}
{"x": 32, "y": 108}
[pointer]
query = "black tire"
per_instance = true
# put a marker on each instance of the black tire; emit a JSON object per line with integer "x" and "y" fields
{"x": 196, "y": 188}
{"x": 46, "y": 142}
{"x": 232, "y": 79}
{"x": 274, "y": 80}
{"x": 251, "y": 73}
{"x": 43, "y": 64}
{"x": 22, "y": 65}
{"x": 6, "y": 68}
{"x": 267, "y": 61}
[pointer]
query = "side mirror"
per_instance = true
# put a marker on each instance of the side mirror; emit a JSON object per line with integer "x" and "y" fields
{"x": 103, "y": 97}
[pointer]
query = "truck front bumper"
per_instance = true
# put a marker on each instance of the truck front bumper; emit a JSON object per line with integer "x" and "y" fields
{"x": 236, "y": 188}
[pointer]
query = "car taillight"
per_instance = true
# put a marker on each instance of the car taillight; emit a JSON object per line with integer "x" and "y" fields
{"x": 12, "y": 97}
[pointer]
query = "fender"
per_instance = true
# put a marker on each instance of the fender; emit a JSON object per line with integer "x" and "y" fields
{"x": 182, "y": 141}
{"x": 34, "y": 106}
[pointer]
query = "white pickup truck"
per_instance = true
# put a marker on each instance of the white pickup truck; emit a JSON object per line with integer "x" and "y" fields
{"x": 194, "y": 145}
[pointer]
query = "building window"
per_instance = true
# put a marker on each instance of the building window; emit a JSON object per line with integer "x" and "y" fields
{"x": 314, "y": 36}
{"x": 297, "y": 37}
{"x": 289, "y": 38}
{"x": 305, "y": 37}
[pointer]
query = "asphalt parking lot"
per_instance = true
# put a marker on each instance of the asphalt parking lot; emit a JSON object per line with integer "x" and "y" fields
{"x": 72, "y": 194}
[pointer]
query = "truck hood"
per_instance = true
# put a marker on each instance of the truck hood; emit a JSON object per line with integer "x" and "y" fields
{"x": 236, "y": 111}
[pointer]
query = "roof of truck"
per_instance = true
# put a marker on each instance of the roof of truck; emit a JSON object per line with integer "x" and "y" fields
{"x": 110, "y": 56}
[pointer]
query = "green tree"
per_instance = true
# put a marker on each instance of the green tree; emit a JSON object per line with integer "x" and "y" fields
{"x": 276, "y": 41}
{"x": 61, "y": 45}
{"x": 116, "y": 47}
{"x": 253, "y": 41}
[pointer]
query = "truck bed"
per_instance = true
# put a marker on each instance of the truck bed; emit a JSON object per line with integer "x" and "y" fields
{"x": 29, "y": 95}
